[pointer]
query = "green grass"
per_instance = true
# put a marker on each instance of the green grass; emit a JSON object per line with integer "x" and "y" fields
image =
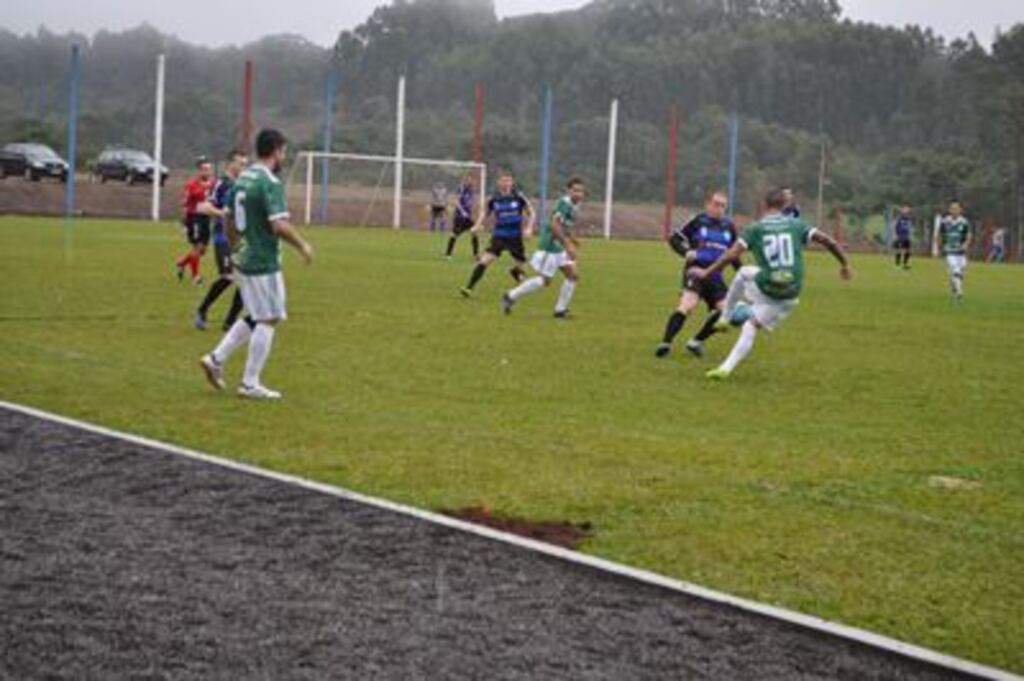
{"x": 803, "y": 482}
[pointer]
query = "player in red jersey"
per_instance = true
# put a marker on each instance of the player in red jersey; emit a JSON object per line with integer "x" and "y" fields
{"x": 197, "y": 224}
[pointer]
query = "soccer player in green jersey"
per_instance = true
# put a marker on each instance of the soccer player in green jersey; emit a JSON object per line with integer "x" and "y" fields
{"x": 558, "y": 250}
{"x": 772, "y": 287}
{"x": 953, "y": 239}
{"x": 259, "y": 216}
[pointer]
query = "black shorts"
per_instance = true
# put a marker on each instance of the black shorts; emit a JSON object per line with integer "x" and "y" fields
{"x": 222, "y": 254}
{"x": 711, "y": 291}
{"x": 512, "y": 244}
{"x": 438, "y": 211}
{"x": 197, "y": 229}
{"x": 902, "y": 244}
{"x": 461, "y": 224}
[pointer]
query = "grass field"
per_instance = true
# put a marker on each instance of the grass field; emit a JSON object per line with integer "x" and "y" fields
{"x": 808, "y": 481}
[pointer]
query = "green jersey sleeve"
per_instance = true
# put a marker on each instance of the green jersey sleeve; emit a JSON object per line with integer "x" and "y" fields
{"x": 276, "y": 205}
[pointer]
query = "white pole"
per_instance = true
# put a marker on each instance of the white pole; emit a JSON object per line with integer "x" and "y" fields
{"x": 158, "y": 138}
{"x": 609, "y": 188}
{"x": 821, "y": 189}
{"x": 399, "y": 152}
{"x": 309, "y": 188}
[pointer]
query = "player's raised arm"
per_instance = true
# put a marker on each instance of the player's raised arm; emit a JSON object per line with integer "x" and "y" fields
{"x": 830, "y": 244}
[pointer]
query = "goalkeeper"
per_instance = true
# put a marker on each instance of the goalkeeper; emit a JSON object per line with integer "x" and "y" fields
{"x": 700, "y": 242}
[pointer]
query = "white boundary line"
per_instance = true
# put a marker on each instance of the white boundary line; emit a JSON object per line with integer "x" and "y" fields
{"x": 788, "y": 616}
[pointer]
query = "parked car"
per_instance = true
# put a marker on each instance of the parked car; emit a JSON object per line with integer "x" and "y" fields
{"x": 129, "y": 165}
{"x": 32, "y": 161}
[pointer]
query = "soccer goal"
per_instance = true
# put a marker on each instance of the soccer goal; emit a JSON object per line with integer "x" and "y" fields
{"x": 363, "y": 190}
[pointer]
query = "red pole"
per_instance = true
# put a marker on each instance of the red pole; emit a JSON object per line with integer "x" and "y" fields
{"x": 478, "y": 125}
{"x": 246, "y": 133}
{"x": 670, "y": 172}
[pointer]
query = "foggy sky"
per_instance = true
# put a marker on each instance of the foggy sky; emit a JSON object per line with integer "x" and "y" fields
{"x": 237, "y": 22}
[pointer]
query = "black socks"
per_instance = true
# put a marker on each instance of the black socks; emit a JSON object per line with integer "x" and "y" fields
{"x": 674, "y": 326}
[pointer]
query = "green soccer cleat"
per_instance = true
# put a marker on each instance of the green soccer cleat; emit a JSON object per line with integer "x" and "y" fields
{"x": 466, "y": 292}
{"x": 718, "y": 374}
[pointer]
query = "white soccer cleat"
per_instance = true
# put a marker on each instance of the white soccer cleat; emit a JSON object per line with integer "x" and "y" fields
{"x": 214, "y": 371}
{"x": 257, "y": 392}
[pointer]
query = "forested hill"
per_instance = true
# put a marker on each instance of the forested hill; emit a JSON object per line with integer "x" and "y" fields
{"x": 904, "y": 114}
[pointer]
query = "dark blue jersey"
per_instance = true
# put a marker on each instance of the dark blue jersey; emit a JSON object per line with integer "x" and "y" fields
{"x": 508, "y": 210}
{"x": 464, "y": 201}
{"x": 220, "y": 197}
{"x": 904, "y": 226}
{"x": 791, "y": 211}
{"x": 708, "y": 238}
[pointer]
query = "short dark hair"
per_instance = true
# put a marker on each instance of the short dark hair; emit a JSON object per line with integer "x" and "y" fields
{"x": 233, "y": 154}
{"x": 712, "y": 193}
{"x": 505, "y": 173}
{"x": 575, "y": 180}
{"x": 201, "y": 161}
{"x": 268, "y": 141}
{"x": 775, "y": 199}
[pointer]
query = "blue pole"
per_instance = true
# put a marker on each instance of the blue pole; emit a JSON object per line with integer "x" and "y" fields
{"x": 734, "y": 144}
{"x": 330, "y": 88}
{"x": 69, "y": 192}
{"x": 545, "y": 150}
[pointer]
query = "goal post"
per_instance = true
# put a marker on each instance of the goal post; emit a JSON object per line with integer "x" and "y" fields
{"x": 359, "y": 185}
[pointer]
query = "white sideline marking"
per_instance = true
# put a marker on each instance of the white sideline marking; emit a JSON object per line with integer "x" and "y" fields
{"x": 834, "y": 629}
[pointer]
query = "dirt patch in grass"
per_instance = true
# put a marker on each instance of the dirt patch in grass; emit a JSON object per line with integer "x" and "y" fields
{"x": 560, "y": 533}
{"x": 950, "y": 482}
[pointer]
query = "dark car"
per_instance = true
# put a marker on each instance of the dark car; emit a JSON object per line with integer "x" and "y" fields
{"x": 128, "y": 165}
{"x": 33, "y": 162}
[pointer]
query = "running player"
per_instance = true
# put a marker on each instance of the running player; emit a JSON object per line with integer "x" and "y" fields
{"x": 558, "y": 251}
{"x": 953, "y": 240}
{"x": 217, "y": 207}
{"x": 700, "y": 243}
{"x": 463, "y": 222}
{"x": 259, "y": 214}
{"x": 904, "y": 230}
{"x": 772, "y": 287}
{"x": 438, "y": 206}
{"x": 197, "y": 225}
{"x": 791, "y": 210}
{"x": 509, "y": 210}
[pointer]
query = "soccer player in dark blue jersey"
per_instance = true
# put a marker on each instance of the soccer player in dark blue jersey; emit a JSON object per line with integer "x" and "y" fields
{"x": 791, "y": 210}
{"x": 700, "y": 242}
{"x": 512, "y": 218}
{"x": 217, "y": 207}
{"x": 465, "y": 198}
{"x": 904, "y": 229}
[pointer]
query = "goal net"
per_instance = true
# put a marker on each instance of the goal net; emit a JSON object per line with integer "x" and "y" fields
{"x": 361, "y": 190}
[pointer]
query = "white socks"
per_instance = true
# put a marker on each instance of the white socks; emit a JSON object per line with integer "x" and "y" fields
{"x": 236, "y": 337}
{"x": 526, "y": 288}
{"x": 565, "y": 296}
{"x": 259, "y": 349}
{"x": 744, "y": 344}
{"x": 736, "y": 289}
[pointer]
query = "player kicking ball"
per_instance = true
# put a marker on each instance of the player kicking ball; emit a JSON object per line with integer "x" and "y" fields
{"x": 513, "y": 220}
{"x": 953, "y": 240}
{"x": 259, "y": 216}
{"x": 558, "y": 250}
{"x": 771, "y": 289}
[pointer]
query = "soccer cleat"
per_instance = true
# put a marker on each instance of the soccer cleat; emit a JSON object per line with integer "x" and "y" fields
{"x": 214, "y": 371}
{"x": 257, "y": 392}
{"x": 197, "y": 280}
{"x": 663, "y": 349}
{"x": 466, "y": 292}
{"x": 562, "y": 314}
{"x": 517, "y": 274}
{"x": 507, "y": 303}
{"x": 718, "y": 374}
{"x": 200, "y": 322}
{"x": 695, "y": 348}
{"x": 180, "y": 272}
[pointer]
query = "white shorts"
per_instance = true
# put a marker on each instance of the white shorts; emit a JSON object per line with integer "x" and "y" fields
{"x": 547, "y": 264}
{"x": 768, "y": 312}
{"x": 263, "y": 295}
{"x": 956, "y": 264}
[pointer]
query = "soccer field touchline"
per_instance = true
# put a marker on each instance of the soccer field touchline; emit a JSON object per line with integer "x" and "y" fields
{"x": 833, "y": 629}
